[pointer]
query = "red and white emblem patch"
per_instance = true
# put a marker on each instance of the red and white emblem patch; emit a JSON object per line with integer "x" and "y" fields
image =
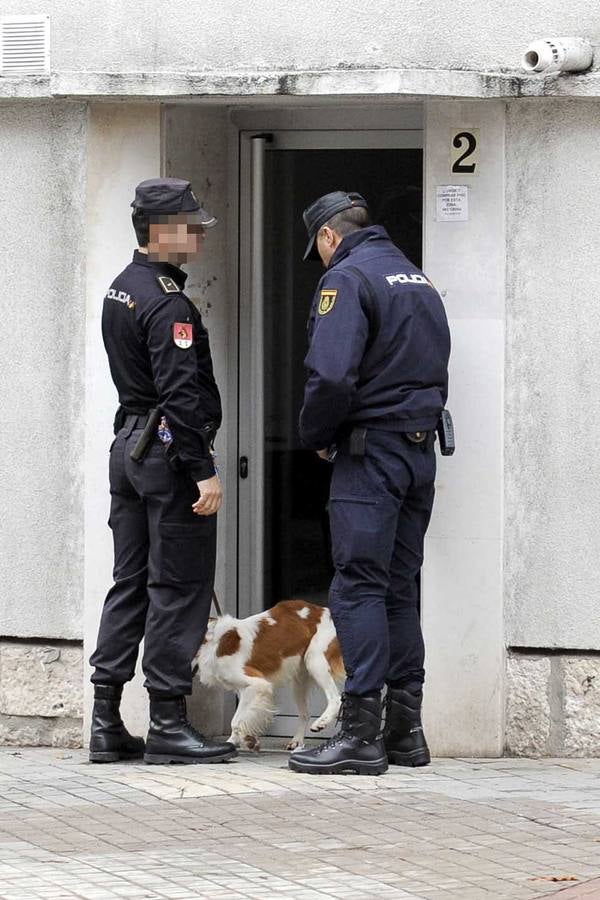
{"x": 183, "y": 335}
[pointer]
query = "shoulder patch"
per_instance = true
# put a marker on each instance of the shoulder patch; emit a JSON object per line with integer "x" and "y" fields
{"x": 327, "y": 301}
{"x": 168, "y": 285}
{"x": 183, "y": 335}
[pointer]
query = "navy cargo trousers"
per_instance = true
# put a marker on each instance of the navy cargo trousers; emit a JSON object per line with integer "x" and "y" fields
{"x": 163, "y": 572}
{"x": 379, "y": 509}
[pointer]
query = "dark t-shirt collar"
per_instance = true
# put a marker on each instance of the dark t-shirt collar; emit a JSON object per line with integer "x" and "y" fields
{"x": 162, "y": 268}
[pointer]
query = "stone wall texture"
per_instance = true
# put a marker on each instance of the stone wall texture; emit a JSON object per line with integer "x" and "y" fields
{"x": 528, "y": 710}
{"x": 41, "y": 694}
{"x": 553, "y": 705}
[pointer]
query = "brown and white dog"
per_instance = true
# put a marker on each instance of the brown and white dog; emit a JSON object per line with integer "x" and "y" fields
{"x": 292, "y": 643}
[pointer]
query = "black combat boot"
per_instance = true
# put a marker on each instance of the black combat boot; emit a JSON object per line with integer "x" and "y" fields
{"x": 110, "y": 740}
{"x": 357, "y": 747}
{"x": 403, "y": 736}
{"x": 171, "y": 738}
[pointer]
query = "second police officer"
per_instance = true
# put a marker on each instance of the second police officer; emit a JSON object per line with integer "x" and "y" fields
{"x": 377, "y": 385}
{"x": 165, "y": 491}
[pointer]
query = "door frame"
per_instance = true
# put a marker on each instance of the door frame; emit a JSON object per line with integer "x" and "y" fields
{"x": 253, "y": 144}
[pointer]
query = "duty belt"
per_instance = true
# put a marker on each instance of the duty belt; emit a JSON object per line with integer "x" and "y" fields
{"x": 132, "y": 421}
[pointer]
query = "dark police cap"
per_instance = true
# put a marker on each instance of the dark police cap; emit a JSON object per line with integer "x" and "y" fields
{"x": 170, "y": 196}
{"x": 322, "y": 210}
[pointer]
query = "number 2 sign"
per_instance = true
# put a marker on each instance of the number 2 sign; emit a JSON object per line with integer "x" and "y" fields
{"x": 464, "y": 151}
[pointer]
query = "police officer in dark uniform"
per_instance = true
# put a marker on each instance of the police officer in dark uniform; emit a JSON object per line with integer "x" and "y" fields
{"x": 377, "y": 384}
{"x": 165, "y": 491}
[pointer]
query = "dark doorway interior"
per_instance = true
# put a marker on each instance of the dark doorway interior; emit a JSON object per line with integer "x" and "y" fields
{"x": 296, "y": 548}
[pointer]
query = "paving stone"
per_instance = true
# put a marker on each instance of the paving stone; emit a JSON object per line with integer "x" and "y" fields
{"x": 467, "y": 829}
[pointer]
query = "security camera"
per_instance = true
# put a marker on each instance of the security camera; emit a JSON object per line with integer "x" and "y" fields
{"x": 566, "y": 54}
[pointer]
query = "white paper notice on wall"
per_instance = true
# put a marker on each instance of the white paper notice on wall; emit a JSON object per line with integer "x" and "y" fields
{"x": 452, "y": 203}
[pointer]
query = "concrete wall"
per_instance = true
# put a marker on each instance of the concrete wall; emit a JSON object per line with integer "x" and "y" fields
{"x": 552, "y": 496}
{"x": 462, "y": 577}
{"x": 196, "y": 147}
{"x": 42, "y": 359}
{"x": 552, "y": 500}
{"x": 121, "y": 36}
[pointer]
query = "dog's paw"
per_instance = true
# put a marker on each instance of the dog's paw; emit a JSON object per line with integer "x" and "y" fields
{"x": 252, "y": 742}
{"x": 294, "y": 745}
{"x": 318, "y": 725}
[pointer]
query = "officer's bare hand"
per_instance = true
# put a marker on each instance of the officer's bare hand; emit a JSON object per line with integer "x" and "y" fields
{"x": 324, "y": 454}
{"x": 211, "y": 497}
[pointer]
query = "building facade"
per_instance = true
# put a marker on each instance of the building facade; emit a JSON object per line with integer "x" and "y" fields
{"x": 486, "y": 175}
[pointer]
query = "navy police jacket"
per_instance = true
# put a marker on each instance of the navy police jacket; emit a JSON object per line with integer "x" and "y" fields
{"x": 379, "y": 344}
{"x": 159, "y": 356}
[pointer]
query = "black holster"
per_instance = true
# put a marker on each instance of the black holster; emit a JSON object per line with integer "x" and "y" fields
{"x": 119, "y": 420}
{"x": 147, "y": 436}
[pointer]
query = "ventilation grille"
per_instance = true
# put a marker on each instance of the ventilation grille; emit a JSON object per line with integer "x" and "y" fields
{"x": 24, "y": 45}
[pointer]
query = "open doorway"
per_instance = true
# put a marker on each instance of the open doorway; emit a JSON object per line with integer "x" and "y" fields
{"x": 284, "y": 549}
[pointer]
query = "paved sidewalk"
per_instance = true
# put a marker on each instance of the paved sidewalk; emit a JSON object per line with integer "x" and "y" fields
{"x": 252, "y": 829}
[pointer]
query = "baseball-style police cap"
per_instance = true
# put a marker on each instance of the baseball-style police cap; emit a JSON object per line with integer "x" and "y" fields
{"x": 170, "y": 196}
{"x": 322, "y": 210}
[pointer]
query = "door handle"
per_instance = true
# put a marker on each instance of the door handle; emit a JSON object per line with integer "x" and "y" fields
{"x": 243, "y": 466}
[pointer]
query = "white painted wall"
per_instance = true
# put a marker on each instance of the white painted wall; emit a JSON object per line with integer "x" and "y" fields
{"x": 119, "y": 36}
{"x": 42, "y": 343}
{"x": 462, "y": 579}
{"x": 553, "y": 375}
{"x": 196, "y": 148}
{"x": 123, "y": 149}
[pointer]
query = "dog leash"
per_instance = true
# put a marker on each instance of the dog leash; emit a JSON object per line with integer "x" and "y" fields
{"x": 219, "y": 612}
{"x": 216, "y": 604}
